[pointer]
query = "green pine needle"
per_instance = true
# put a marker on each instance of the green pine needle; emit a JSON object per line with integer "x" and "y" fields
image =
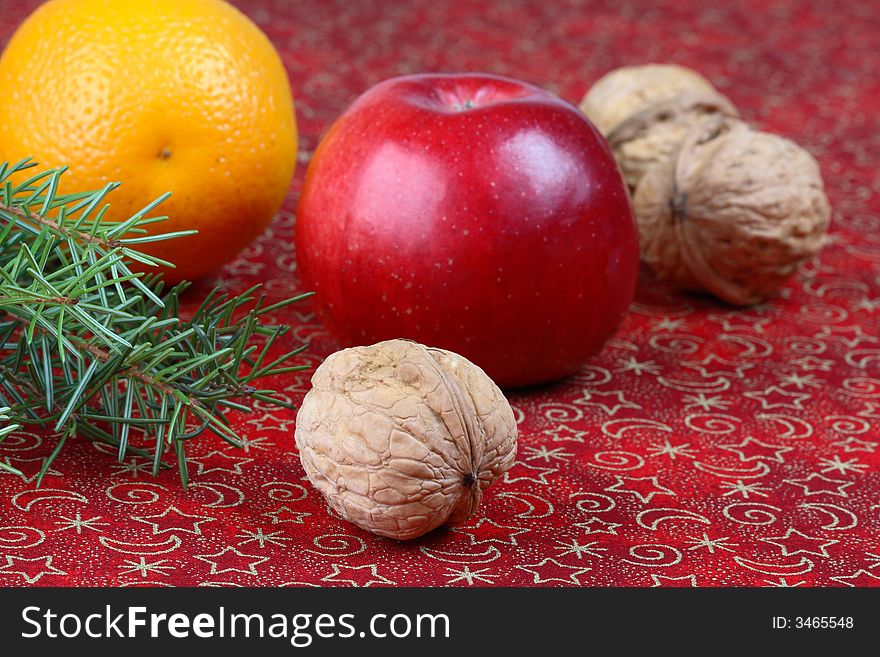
{"x": 5, "y": 430}
{"x": 89, "y": 348}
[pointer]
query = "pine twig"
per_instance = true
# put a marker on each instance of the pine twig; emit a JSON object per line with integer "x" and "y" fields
{"x": 90, "y": 348}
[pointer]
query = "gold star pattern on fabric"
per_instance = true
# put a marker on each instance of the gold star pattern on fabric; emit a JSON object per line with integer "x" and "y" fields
{"x": 737, "y": 321}
{"x": 742, "y": 488}
{"x": 174, "y": 520}
{"x": 667, "y": 324}
{"x": 799, "y": 382}
{"x": 489, "y": 531}
{"x": 871, "y": 305}
{"x": 550, "y": 570}
{"x": 228, "y": 463}
{"x": 752, "y": 449}
{"x": 644, "y": 488}
{"x": 782, "y": 583}
{"x": 775, "y": 397}
{"x": 816, "y": 484}
{"x": 712, "y": 366}
{"x": 836, "y": 464}
{"x": 706, "y": 403}
{"x": 851, "y": 336}
{"x": 270, "y": 421}
{"x": 357, "y": 576}
{"x": 286, "y": 514}
{"x": 812, "y": 363}
{"x": 141, "y": 566}
{"x": 860, "y": 578}
{"x": 230, "y": 560}
{"x": 869, "y": 409}
{"x": 132, "y": 467}
{"x": 261, "y": 538}
{"x": 795, "y": 542}
{"x": 77, "y": 523}
{"x": 521, "y": 472}
{"x": 590, "y": 549}
{"x": 32, "y": 570}
{"x": 562, "y": 432}
{"x": 547, "y": 455}
{"x": 599, "y": 526}
{"x": 465, "y": 574}
{"x": 637, "y": 367}
{"x": 710, "y": 544}
{"x": 29, "y": 468}
{"x": 666, "y": 448}
{"x": 853, "y": 444}
{"x": 610, "y": 401}
{"x": 684, "y": 581}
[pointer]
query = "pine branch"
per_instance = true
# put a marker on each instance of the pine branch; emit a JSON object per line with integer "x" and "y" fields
{"x": 90, "y": 348}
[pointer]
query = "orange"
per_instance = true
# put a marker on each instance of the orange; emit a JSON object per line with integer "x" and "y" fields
{"x": 186, "y": 96}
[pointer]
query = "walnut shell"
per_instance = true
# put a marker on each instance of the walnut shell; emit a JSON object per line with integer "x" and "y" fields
{"x": 656, "y": 132}
{"x": 734, "y": 211}
{"x": 401, "y": 438}
{"x": 625, "y": 91}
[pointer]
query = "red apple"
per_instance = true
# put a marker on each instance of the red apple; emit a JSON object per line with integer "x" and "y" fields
{"x": 475, "y": 213}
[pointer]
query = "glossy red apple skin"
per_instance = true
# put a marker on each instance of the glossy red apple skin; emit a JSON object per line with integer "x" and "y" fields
{"x": 470, "y": 212}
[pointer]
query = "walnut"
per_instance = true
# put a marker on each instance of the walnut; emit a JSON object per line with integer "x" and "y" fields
{"x": 401, "y": 438}
{"x": 626, "y": 91}
{"x": 656, "y": 132}
{"x": 645, "y": 111}
{"x": 734, "y": 211}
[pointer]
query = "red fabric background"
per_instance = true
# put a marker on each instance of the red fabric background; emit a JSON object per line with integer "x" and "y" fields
{"x": 705, "y": 446}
